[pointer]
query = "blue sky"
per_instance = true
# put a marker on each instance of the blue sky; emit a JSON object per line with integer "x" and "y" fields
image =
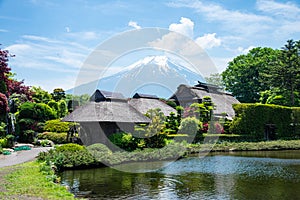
{"x": 51, "y": 39}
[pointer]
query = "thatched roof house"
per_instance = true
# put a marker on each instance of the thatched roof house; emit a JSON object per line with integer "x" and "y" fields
{"x": 186, "y": 95}
{"x": 105, "y": 114}
{"x": 145, "y": 102}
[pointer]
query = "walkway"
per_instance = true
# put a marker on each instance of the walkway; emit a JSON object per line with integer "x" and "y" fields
{"x": 21, "y": 156}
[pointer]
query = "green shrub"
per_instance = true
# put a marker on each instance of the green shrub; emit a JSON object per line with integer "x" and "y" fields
{"x": 57, "y": 138}
{"x": 68, "y": 156}
{"x": 3, "y": 143}
{"x": 56, "y": 125}
{"x": 37, "y": 111}
{"x": 100, "y": 151}
{"x": 189, "y": 125}
{"x": 124, "y": 140}
{"x": 69, "y": 148}
{"x": 27, "y": 136}
{"x": 251, "y": 120}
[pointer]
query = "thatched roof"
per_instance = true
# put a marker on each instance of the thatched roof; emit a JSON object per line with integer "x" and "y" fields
{"x": 101, "y": 109}
{"x": 145, "y": 104}
{"x": 101, "y": 95}
{"x": 140, "y": 95}
{"x": 222, "y": 100}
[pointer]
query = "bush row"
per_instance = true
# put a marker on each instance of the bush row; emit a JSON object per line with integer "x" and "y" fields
{"x": 76, "y": 156}
{"x": 251, "y": 120}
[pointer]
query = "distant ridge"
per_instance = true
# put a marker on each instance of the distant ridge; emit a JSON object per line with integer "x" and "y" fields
{"x": 157, "y": 75}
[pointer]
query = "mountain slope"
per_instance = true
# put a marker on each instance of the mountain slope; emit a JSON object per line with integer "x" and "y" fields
{"x": 152, "y": 75}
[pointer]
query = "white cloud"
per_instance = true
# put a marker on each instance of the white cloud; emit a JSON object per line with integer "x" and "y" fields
{"x": 231, "y": 20}
{"x": 208, "y": 41}
{"x": 288, "y": 9}
{"x": 3, "y": 30}
{"x": 36, "y": 52}
{"x": 185, "y": 27}
{"x": 84, "y": 35}
{"x": 134, "y": 25}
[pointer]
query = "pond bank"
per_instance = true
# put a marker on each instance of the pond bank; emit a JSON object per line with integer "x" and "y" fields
{"x": 245, "y": 146}
{"x": 26, "y": 181}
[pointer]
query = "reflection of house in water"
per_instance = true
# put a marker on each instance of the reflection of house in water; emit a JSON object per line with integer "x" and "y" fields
{"x": 186, "y": 95}
{"x": 105, "y": 114}
{"x": 145, "y": 102}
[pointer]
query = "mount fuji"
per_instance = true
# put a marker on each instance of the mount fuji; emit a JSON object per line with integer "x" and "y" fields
{"x": 157, "y": 75}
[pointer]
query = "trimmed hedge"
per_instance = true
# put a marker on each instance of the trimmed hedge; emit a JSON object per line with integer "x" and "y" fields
{"x": 56, "y": 125}
{"x": 251, "y": 120}
{"x": 57, "y": 138}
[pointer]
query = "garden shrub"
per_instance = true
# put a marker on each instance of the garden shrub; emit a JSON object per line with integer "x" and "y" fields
{"x": 3, "y": 143}
{"x": 251, "y": 119}
{"x": 57, "y": 138}
{"x": 69, "y": 147}
{"x": 124, "y": 140}
{"x": 56, "y": 125}
{"x": 37, "y": 111}
{"x": 68, "y": 156}
{"x": 100, "y": 152}
{"x": 27, "y": 136}
{"x": 189, "y": 125}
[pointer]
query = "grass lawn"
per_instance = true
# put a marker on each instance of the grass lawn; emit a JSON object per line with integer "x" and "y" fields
{"x": 26, "y": 181}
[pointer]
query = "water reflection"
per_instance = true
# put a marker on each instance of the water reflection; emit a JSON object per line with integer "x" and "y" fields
{"x": 212, "y": 177}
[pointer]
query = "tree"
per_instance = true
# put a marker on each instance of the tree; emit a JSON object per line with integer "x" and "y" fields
{"x": 40, "y": 96}
{"x": 285, "y": 75}
{"x": 245, "y": 75}
{"x": 58, "y": 94}
{"x": 3, "y": 104}
{"x": 215, "y": 79}
{"x": 4, "y": 71}
{"x": 62, "y": 108}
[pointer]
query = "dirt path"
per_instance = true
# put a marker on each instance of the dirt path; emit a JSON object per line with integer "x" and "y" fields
{"x": 21, "y": 156}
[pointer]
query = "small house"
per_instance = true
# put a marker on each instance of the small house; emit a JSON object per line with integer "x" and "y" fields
{"x": 186, "y": 95}
{"x": 106, "y": 113}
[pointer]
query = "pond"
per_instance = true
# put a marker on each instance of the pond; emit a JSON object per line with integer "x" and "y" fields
{"x": 238, "y": 175}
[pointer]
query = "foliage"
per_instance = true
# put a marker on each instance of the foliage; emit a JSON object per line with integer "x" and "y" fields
{"x": 285, "y": 76}
{"x": 40, "y": 96}
{"x": 27, "y": 136}
{"x": 100, "y": 151}
{"x": 57, "y": 138}
{"x": 54, "y": 105}
{"x": 16, "y": 101}
{"x": 56, "y": 125}
{"x": 68, "y": 156}
{"x": 252, "y": 118}
{"x": 74, "y": 101}
{"x": 8, "y": 85}
{"x": 2, "y": 128}
{"x": 190, "y": 126}
{"x": 58, "y": 94}
{"x": 154, "y": 132}
{"x": 215, "y": 79}
{"x": 4, "y": 71}
{"x": 124, "y": 140}
{"x": 3, "y": 104}
{"x": 245, "y": 146}
{"x": 172, "y": 123}
{"x": 171, "y": 103}
{"x": 37, "y": 111}
{"x": 62, "y": 108}
{"x": 69, "y": 147}
{"x": 245, "y": 75}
